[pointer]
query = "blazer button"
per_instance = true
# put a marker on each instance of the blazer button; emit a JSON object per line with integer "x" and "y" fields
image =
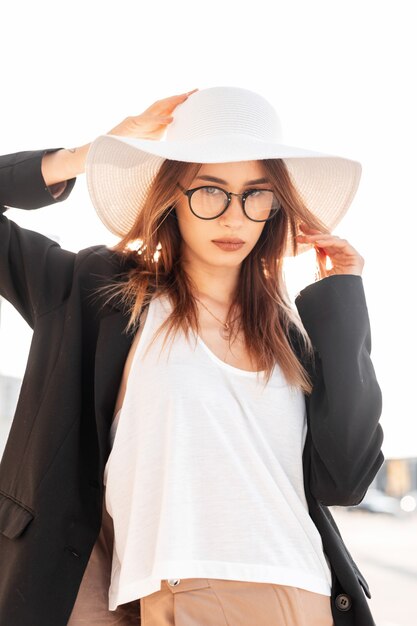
{"x": 343, "y": 602}
{"x": 173, "y": 582}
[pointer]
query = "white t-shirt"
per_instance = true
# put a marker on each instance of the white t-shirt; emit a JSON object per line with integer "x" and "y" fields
{"x": 205, "y": 475}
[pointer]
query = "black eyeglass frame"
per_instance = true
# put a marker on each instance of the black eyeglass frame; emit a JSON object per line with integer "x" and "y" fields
{"x": 229, "y": 194}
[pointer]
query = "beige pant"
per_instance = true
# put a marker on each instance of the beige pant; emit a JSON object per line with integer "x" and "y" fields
{"x": 217, "y": 602}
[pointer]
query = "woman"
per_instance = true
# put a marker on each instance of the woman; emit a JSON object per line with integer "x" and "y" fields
{"x": 217, "y": 487}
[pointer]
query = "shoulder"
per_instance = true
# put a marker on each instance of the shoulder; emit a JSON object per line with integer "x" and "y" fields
{"x": 99, "y": 270}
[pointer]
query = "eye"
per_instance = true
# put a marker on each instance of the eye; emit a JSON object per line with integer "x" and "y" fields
{"x": 211, "y": 191}
{"x": 256, "y": 192}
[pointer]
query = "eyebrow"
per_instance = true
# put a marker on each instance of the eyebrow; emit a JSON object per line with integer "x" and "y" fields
{"x": 214, "y": 179}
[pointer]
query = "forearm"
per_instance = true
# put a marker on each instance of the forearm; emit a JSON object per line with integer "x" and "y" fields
{"x": 64, "y": 164}
{"x": 22, "y": 184}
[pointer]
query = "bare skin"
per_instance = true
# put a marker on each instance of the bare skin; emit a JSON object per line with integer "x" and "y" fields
{"x": 214, "y": 271}
{"x": 337, "y": 254}
{"x": 236, "y": 356}
{"x": 65, "y": 164}
{"x": 334, "y": 255}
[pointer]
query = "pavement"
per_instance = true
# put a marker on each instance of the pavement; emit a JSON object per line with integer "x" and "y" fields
{"x": 385, "y": 549}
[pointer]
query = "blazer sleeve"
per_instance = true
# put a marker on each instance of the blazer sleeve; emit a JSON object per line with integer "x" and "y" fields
{"x": 22, "y": 184}
{"x": 345, "y": 405}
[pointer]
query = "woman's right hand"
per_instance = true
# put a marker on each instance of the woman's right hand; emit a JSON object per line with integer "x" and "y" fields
{"x": 63, "y": 165}
{"x": 151, "y": 123}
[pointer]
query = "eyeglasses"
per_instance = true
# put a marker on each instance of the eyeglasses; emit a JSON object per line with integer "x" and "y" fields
{"x": 207, "y": 203}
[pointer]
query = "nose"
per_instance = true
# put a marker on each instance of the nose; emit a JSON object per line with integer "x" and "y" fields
{"x": 234, "y": 215}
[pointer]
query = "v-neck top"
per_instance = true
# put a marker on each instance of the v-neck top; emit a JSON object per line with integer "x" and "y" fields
{"x": 205, "y": 475}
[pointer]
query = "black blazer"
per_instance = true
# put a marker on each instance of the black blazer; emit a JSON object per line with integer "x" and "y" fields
{"x": 51, "y": 474}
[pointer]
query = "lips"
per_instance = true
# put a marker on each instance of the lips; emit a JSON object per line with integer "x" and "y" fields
{"x": 229, "y": 245}
{"x": 233, "y": 240}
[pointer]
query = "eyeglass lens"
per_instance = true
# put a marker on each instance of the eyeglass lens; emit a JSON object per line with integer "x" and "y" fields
{"x": 208, "y": 202}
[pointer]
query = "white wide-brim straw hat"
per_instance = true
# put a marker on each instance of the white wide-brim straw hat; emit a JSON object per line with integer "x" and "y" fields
{"x": 214, "y": 125}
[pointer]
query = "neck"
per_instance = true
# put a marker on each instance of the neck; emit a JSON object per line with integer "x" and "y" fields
{"x": 215, "y": 283}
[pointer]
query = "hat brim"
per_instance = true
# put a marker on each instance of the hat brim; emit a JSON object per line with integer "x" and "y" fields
{"x": 120, "y": 172}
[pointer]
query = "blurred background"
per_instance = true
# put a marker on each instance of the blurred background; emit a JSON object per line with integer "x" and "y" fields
{"x": 340, "y": 74}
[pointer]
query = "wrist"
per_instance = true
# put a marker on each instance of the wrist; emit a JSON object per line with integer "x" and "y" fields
{"x": 63, "y": 164}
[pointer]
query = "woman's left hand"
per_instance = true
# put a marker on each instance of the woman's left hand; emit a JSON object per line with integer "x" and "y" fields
{"x": 331, "y": 250}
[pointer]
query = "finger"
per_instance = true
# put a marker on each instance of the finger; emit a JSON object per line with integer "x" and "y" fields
{"x": 321, "y": 264}
{"x": 174, "y": 99}
{"x": 185, "y": 94}
{"x": 168, "y": 104}
{"x": 320, "y": 251}
{"x": 336, "y": 245}
{"x": 188, "y": 93}
{"x": 164, "y": 108}
{"x": 315, "y": 234}
{"x": 310, "y": 231}
{"x": 145, "y": 119}
{"x": 324, "y": 240}
{"x": 321, "y": 255}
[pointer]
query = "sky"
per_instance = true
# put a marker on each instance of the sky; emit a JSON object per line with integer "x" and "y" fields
{"x": 340, "y": 75}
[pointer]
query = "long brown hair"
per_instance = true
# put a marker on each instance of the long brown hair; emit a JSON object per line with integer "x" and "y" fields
{"x": 267, "y": 318}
